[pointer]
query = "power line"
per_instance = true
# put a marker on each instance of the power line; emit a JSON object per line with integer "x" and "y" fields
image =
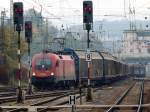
{"x": 41, "y": 5}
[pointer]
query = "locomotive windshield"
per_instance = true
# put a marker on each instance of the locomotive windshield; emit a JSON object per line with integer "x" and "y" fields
{"x": 43, "y": 64}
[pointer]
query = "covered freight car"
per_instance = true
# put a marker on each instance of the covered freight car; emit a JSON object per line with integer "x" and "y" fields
{"x": 147, "y": 70}
{"x": 104, "y": 68}
{"x": 138, "y": 70}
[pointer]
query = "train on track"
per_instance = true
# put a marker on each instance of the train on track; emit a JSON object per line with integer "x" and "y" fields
{"x": 138, "y": 70}
{"x": 69, "y": 67}
{"x": 53, "y": 69}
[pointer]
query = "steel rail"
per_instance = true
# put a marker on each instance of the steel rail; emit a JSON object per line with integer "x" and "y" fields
{"x": 65, "y": 102}
{"x": 34, "y": 96}
{"x": 45, "y": 101}
{"x": 141, "y": 97}
{"x": 119, "y": 100}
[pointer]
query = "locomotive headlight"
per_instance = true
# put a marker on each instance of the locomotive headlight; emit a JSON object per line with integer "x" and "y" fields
{"x": 33, "y": 74}
{"x": 52, "y": 74}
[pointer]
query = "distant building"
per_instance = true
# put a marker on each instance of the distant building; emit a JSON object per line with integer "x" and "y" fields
{"x": 136, "y": 41}
{"x": 136, "y": 45}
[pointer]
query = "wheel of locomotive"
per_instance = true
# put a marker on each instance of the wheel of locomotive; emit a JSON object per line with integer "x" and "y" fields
{"x": 67, "y": 84}
{"x": 72, "y": 84}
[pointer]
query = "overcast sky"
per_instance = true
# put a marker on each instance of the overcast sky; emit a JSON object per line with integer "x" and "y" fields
{"x": 70, "y": 11}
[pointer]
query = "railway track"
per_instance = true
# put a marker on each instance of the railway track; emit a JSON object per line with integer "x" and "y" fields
{"x": 66, "y": 101}
{"x": 48, "y": 100}
{"x": 34, "y": 96}
{"x": 6, "y": 94}
{"x": 61, "y": 99}
{"x": 123, "y": 98}
{"x": 58, "y": 100}
{"x": 6, "y": 89}
{"x": 141, "y": 97}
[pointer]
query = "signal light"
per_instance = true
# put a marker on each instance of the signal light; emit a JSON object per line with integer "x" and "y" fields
{"x": 18, "y": 13}
{"x": 87, "y": 12}
{"x": 28, "y": 31}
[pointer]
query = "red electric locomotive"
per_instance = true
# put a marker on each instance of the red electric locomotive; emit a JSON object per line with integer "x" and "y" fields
{"x": 49, "y": 69}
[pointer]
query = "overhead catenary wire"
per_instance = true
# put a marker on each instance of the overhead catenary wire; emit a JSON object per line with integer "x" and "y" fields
{"x": 45, "y": 10}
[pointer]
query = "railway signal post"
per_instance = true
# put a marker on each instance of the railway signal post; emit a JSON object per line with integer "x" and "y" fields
{"x": 28, "y": 36}
{"x": 18, "y": 26}
{"x": 88, "y": 25}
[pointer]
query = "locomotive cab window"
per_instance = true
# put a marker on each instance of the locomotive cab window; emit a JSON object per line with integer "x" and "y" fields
{"x": 60, "y": 57}
{"x": 57, "y": 63}
{"x": 43, "y": 64}
{"x": 71, "y": 57}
